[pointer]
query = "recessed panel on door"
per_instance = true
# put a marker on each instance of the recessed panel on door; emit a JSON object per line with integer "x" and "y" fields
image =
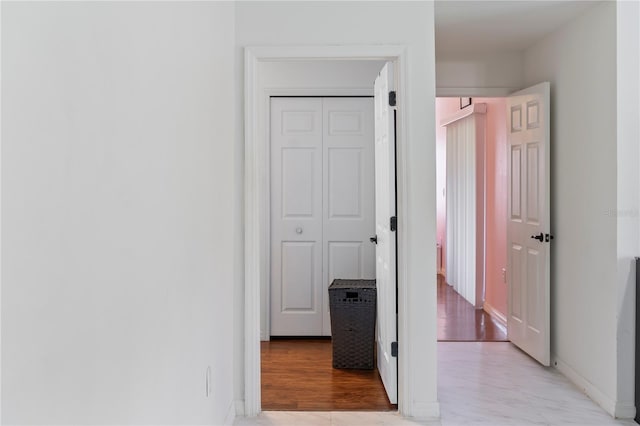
{"x": 298, "y": 122}
{"x": 298, "y": 276}
{"x": 532, "y": 184}
{"x": 517, "y": 261}
{"x": 345, "y": 183}
{"x": 514, "y": 187}
{"x": 534, "y": 290}
{"x": 533, "y": 114}
{"x": 516, "y": 118}
{"x": 298, "y": 186}
{"x": 346, "y": 123}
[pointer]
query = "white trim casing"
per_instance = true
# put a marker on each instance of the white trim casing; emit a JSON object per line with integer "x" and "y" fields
{"x": 0, "y": 241}
{"x": 474, "y": 92}
{"x": 256, "y": 199}
{"x": 253, "y": 266}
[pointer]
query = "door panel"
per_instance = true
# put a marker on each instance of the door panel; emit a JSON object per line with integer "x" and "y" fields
{"x": 532, "y": 184}
{"x": 322, "y": 207}
{"x": 346, "y": 123}
{"x": 528, "y": 268}
{"x": 348, "y": 144}
{"x": 385, "y": 208}
{"x": 345, "y": 183}
{"x": 515, "y": 296}
{"x": 298, "y": 276}
{"x": 535, "y": 291}
{"x": 515, "y": 200}
{"x": 298, "y": 182}
{"x": 296, "y": 217}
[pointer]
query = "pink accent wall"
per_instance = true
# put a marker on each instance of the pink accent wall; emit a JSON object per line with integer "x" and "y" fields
{"x": 496, "y": 203}
{"x": 496, "y": 192}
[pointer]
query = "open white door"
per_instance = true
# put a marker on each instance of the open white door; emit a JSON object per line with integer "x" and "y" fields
{"x": 385, "y": 195}
{"x": 529, "y": 226}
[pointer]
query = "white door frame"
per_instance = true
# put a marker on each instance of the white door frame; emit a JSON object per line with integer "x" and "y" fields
{"x": 256, "y": 202}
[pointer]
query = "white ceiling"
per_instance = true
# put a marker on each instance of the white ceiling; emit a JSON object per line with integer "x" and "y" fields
{"x": 499, "y": 26}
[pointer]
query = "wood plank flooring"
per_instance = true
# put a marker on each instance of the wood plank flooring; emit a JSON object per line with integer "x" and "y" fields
{"x": 459, "y": 321}
{"x": 297, "y": 375}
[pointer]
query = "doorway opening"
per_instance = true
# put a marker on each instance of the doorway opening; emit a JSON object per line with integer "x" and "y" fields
{"x": 258, "y": 229}
{"x": 322, "y": 215}
{"x": 472, "y": 305}
{"x": 528, "y": 206}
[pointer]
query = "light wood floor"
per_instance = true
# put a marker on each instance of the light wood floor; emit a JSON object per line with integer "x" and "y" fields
{"x": 298, "y": 375}
{"x": 459, "y": 321}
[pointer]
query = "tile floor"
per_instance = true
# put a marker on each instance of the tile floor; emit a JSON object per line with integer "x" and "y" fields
{"x": 480, "y": 383}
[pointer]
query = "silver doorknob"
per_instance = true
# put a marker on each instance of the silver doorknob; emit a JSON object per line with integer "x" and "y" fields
{"x": 298, "y": 230}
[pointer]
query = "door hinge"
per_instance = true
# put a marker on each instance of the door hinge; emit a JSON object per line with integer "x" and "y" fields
{"x": 394, "y": 349}
{"x": 393, "y": 223}
{"x": 392, "y": 98}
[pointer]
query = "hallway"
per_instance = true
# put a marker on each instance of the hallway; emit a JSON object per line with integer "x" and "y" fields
{"x": 459, "y": 321}
{"x": 479, "y": 383}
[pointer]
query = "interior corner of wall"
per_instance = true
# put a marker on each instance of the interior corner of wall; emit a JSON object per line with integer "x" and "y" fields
{"x": 425, "y": 411}
{"x": 231, "y": 413}
{"x": 239, "y": 407}
{"x": 625, "y": 411}
{"x": 597, "y": 395}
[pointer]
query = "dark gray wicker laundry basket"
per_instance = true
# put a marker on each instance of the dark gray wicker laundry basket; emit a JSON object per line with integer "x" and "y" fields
{"x": 352, "y": 304}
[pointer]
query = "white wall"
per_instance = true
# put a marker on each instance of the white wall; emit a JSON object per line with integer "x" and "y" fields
{"x": 580, "y": 62}
{"x": 628, "y": 194}
{"x": 330, "y": 77}
{"x": 298, "y": 78}
{"x": 116, "y": 263}
{"x": 478, "y": 75}
{"x": 347, "y": 23}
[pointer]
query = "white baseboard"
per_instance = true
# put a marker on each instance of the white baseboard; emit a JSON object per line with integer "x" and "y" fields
{"x": 231, "y": 414}
{"x": 239, "y": 407}
{"x": 625, "y": 411}
{"x": 491, "y": 310}
{"x": 425, "y": 411}
{"x": 584, "y": 385}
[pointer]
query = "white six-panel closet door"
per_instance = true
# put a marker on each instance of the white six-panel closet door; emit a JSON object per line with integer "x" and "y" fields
{"x": 322, "y": 202}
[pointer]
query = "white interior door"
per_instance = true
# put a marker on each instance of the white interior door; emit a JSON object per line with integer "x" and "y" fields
{"x": 529, "y": 227}
{"x": 348, "y": 193}
{"x": 296, "y": 217}
{"x": 385, "y": 195}
{"x": 322, "y": 208}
